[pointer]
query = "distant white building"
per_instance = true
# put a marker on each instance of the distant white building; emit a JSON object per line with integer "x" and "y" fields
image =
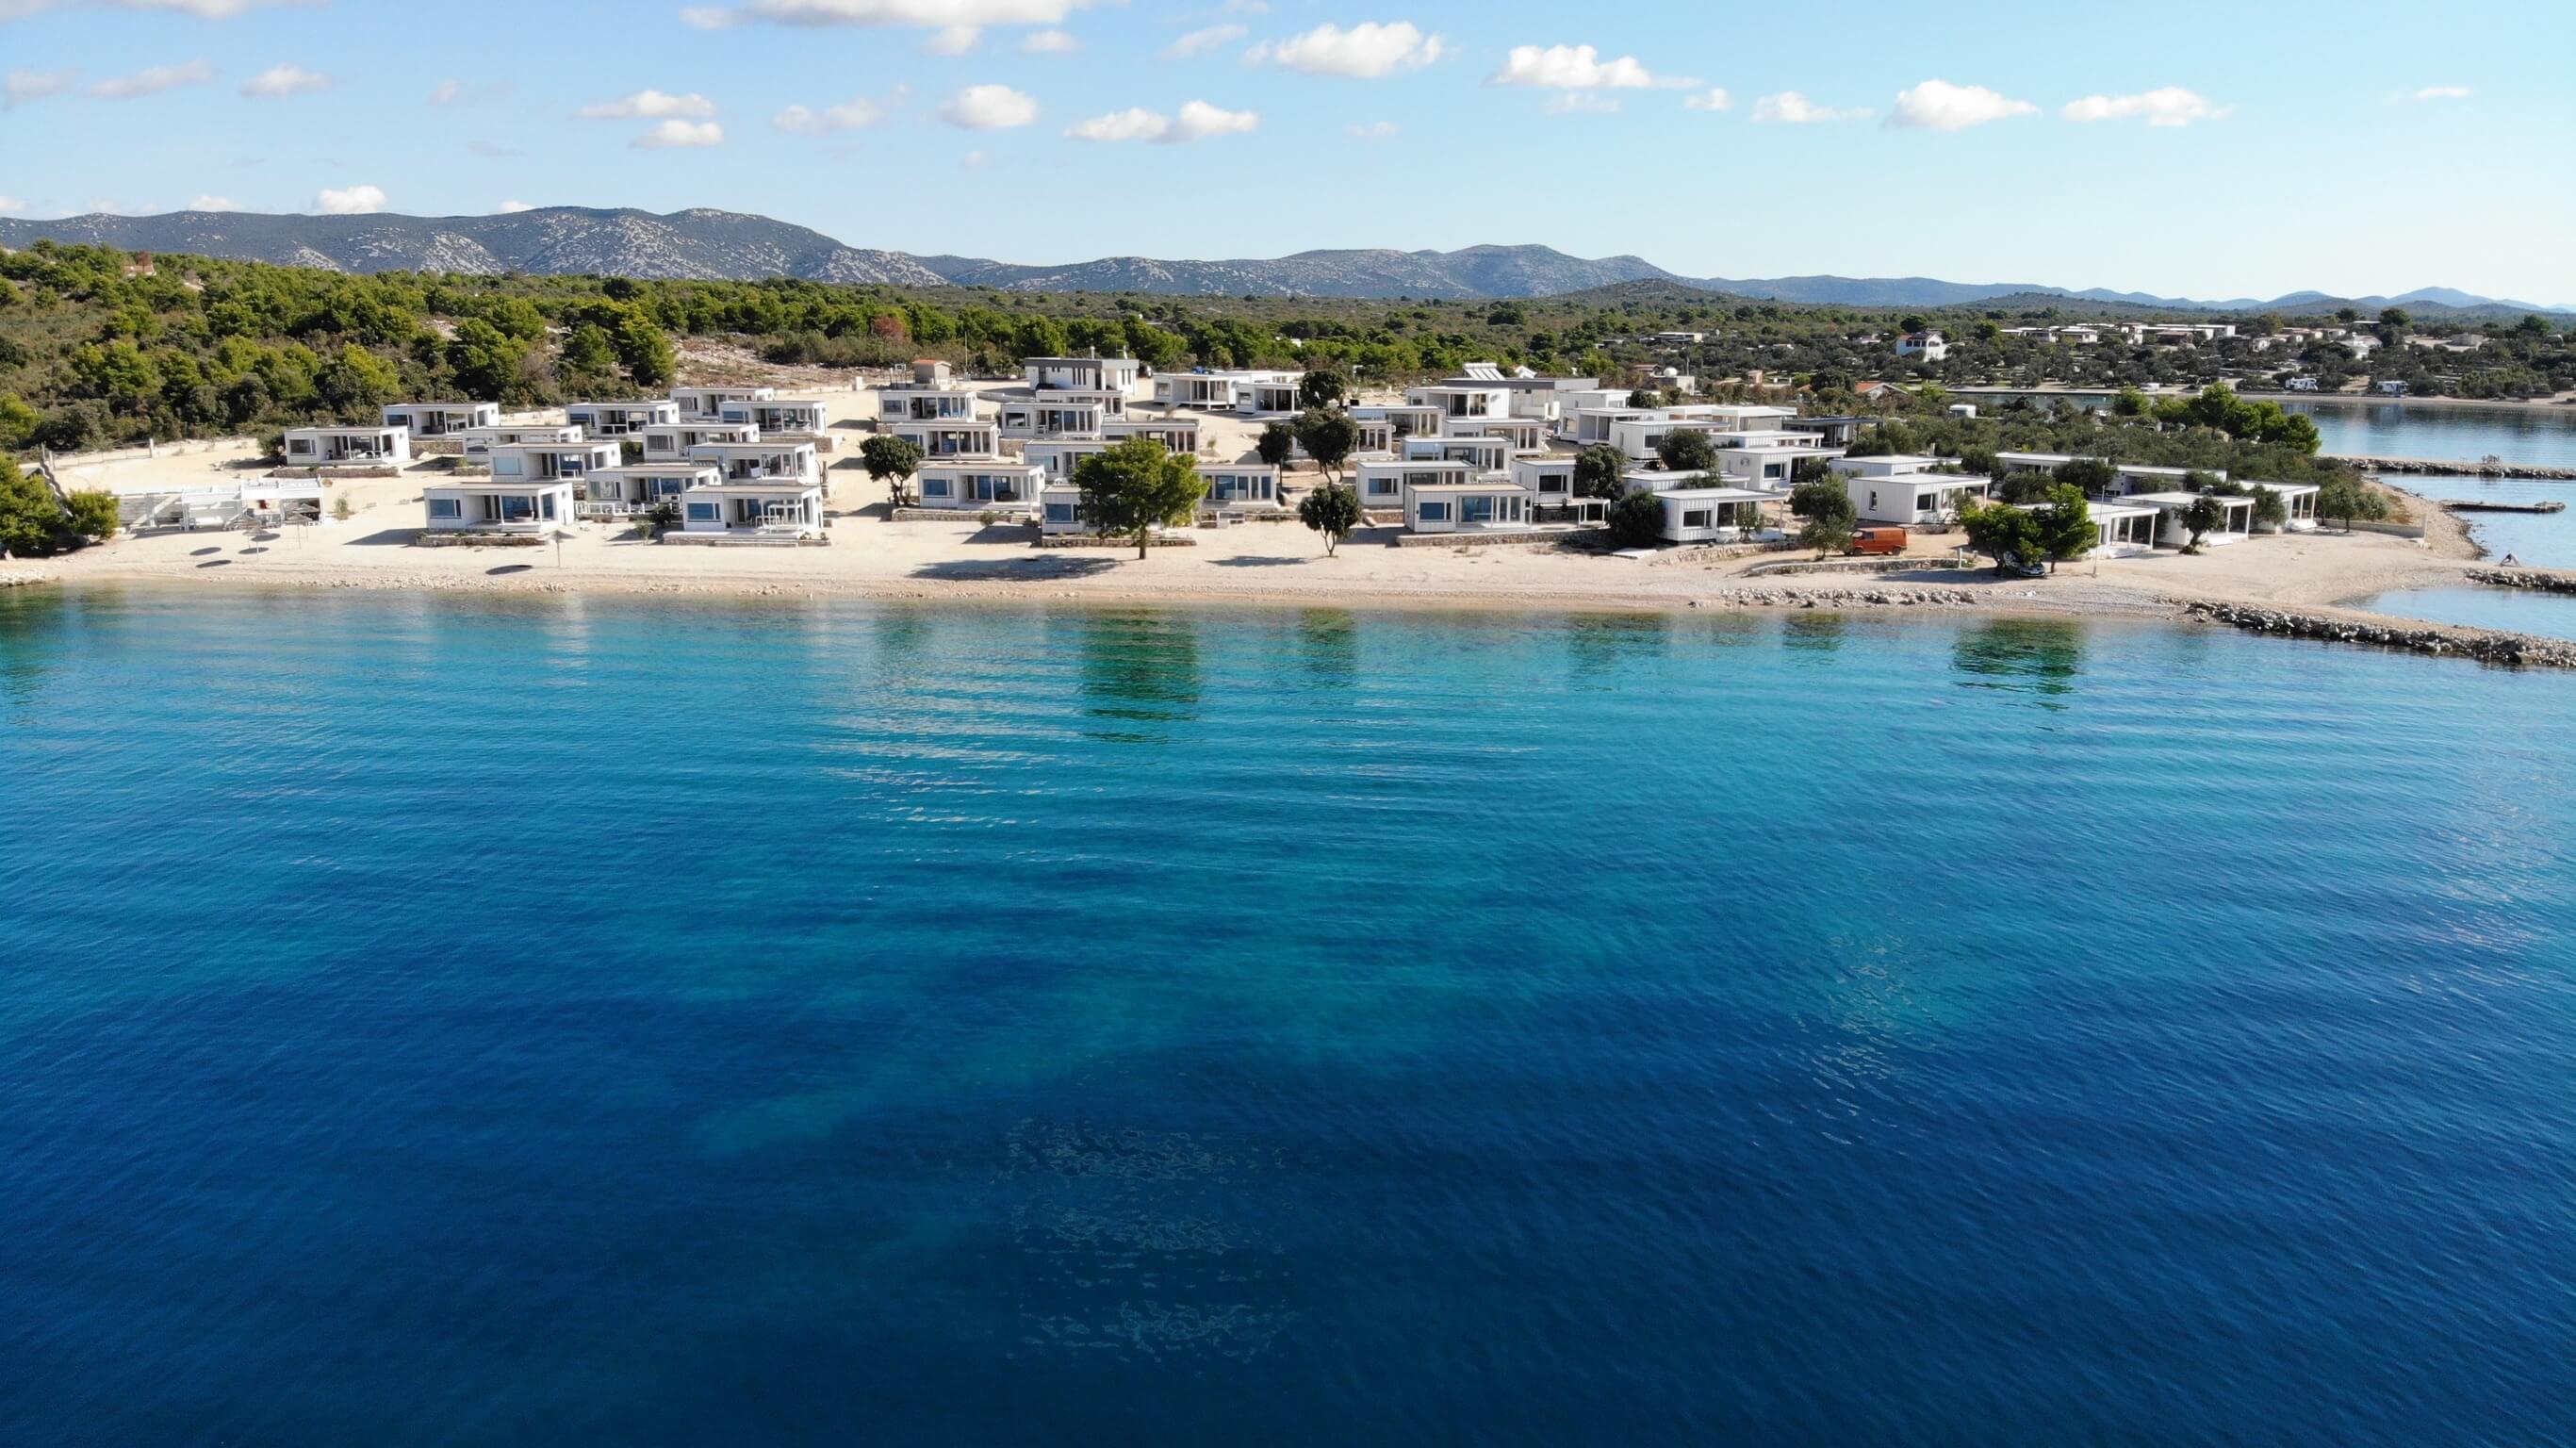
{"x": 347, "y": 447}
{"x": 706, "y": 404}
{"x": 440, "y": 419}
{"x": 1081, "y": 374}
{"x": 1923, "y": 346}
{"x": 1916, "y": 500}
{"x": 776, "y": 417}
{"x": 670, "y": 442}
{"x": 479, "y": 442}
{"x": 931, "y": 395}
{"x": 618, "y": 419}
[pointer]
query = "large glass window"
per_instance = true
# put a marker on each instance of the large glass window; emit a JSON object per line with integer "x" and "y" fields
{"x": 1434, "y": 512}
{"x": 447, "y": 507}
{"x": 704, "y": 513}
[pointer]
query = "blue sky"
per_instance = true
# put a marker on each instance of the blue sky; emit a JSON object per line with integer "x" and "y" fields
{"x": 2184, "y": 148}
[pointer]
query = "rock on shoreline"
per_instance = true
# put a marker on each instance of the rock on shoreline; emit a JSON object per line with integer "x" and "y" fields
{"x": 2537, "y": 580}
{"x": 2485, "y": 645}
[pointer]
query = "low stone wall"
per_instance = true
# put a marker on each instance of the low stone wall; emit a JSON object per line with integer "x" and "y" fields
{"x": 1094, "y": 540}
{"x": 326, "y": 474}
{"x": 1840, "y": 597}
{"x": 1855, "y": 565}
{"x": 2474, "y": 469}
{"x": 1581, "y": 536}
{"x": 738, "y": 540}
{"x": 2537, "y": 580}
{"x": 957, "y": 515}
{"x": 429, "y": 539}
{"x": 2486, "y": 646}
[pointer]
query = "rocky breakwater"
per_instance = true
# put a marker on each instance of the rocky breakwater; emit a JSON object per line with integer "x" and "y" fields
{"x": 1838, "y": 598}
{"x": 2537, "y": 580}
{"x": 23, "y": 578}
{"x": 2492, "y": 646}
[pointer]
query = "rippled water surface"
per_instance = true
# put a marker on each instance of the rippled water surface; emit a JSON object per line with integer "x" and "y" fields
{"x": 449, "y": 1021}
{"x": 2539, "y": 434}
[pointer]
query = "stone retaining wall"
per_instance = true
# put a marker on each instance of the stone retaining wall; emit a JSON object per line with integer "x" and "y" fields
{"x": 2487, "y": 646}
{"x": 1840, "y": 597}
{"x": 1094, "y": 540}
{"x": 1501, "y": 540}
{"x": 1854, "y": 565}
{"x": 1001, "y": 516}
{"x": 15, "y": 578}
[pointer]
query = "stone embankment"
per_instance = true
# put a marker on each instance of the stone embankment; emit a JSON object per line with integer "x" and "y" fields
{"x": 2537, "y": 580}
{"x": 23, "y": 578}
{"x": 2485, "y": 645}
{"x": 2472, "y": 469}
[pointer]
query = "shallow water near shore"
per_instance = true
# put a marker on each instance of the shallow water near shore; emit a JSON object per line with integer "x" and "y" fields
{"x": 441, "y": 1019}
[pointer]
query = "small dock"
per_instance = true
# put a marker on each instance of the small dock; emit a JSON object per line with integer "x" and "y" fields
{"x": 2474, "y": 505}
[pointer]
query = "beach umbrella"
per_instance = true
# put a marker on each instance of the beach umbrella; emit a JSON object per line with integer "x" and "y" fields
{"x": 559, "y": 535}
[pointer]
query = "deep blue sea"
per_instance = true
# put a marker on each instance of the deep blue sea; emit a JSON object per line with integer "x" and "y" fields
{"x": 437, "y": 1020}
{"x": 2431, "y": 430}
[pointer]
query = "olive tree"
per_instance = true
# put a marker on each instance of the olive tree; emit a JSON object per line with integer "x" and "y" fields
{"x": 1329, "y": 437}
{"x": 892, "y": 461}
{"x": 1136, "y": 486}
{"x": 1600, "y": 471}
{"x": 1686, "y": 450}
{"x": 1333, "y": 511}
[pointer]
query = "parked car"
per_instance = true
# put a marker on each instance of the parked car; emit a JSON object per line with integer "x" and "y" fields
{"x": 1878, "y": 542}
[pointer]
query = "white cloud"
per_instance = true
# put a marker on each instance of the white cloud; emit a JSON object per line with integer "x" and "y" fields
{"x": 2164, "y": 106}
{"x": 1792, "y": 109}
{"x": 855, "y": 114}
{"x": 285, "y": 80}
{"x": 649, "y": 105}
{"x": 1049, "y": 42}
{"x": 1572, "y": 102}
{"x": 1937, "y": 105}
{"x": 920, "y": 14}
{"x": 350, "y": 201}
{"x": 201, "y": 9}
{"x": 1196, "y": 121}
{"x": 454, "y": 92}
{"x": 23, "y": 86}
{"x": 513, "y": 208}
{"x": 1369, "y": 50}
{"x": 214, "y": 203}
{"x": 988, "y": 108}
{"x": 1374, "y": 130}
{"x": 152, "y": 82}
{"x": 676, "y": 134}
{"x": 1578, "y": 67}
{"x": 1200, "y": 41}
{"x": 2443, "y": 93}
{"x": 12, "y": 205}
{"x": 952, "y": 40}
{"x": 1715, "y": 99}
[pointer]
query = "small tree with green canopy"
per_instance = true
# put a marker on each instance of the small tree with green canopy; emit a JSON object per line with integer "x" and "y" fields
{"x": 1826, "y": 507}
{"x": 2199, "y": 517}
{"x": 1600, "y": 471}
{"x": 2351, "y": 501}
{"x": 1136, "y": 486}
{"x": 891, "y": 460}
{"x": 1328, "y": 436}
{"x": 2003, "y": 533}
{"x": 2271, "y": 510}
{"x": 1323, "y": 388}
{"x": 92, "y": 514}
{"x": 31, "y": 520}
{"x": 1277, "y": 444}
{"x": 2066, "y": 527}
{"x": 1333, "y": 511}
{"x": 1686, "y": 450}
{"x": 1645, "y": 397}
{"x": 2095, "y": 476}
{"x": 1637, "y": 520}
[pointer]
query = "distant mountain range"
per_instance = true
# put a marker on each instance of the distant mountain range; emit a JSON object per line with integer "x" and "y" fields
{"x": 723, "y": 245}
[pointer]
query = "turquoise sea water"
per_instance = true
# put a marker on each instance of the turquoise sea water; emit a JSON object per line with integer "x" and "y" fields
{"x": 597, "y": 1020}
{"x": 2430, "y": 430}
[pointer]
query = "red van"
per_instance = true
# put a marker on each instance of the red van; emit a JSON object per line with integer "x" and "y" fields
{"x": 1878, "y": 541}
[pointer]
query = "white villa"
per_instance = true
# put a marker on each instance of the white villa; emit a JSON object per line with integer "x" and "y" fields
{"x": 1247, "y": 394}
{"x": 799, "y": 417}
{"x": 1060, "y": 456}
{"x": 1917, "y": 500}
{"x": 2132, "y": 478}
{"x": 1400, "y": 422}
{"x": 762, "y": 508}
{"x": 480, "y": 441}
{"x": 639, "y": 487}
{"x": 1525, "y": 434}
{"x": 1081, "y": 374}
{"x": 1712, "y": 515}
{"x": 2237, "y": 526}
{"x": 1549, "y": 480}
{"x": 1052, "y": 416}
{"x": 1484, "y": 454}
{"x": 544, "y": 461}
{"x": 1060, "y": 508}
{"x": 1176, "y": 434}
{"x": 617, "y": 419}
{"x": 1240, "y": 485}
{"x": 2120, "y": 530}
{"x": 347, "y": 447}
{"x": 1490, "y": 503}
{"x": 1536, "y": 398}
{"x": 1463, "y": 399}
{"x": 1765, "y": 460}
{"x": 1923, "y": 346}
{"x": 952, "y": 437}
{"x": 774, "y": 461}
{"x": 2300, "y": 499}
{"x": 974, "y": 484}
{"x": 1889, "y": 465}
{"x": 495, "y": 505}
{"x": 931, "y": 395}
{"x": 440, "y": 419}
{"x": 671, "y": 442}
{"x": 706, "y": 404}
